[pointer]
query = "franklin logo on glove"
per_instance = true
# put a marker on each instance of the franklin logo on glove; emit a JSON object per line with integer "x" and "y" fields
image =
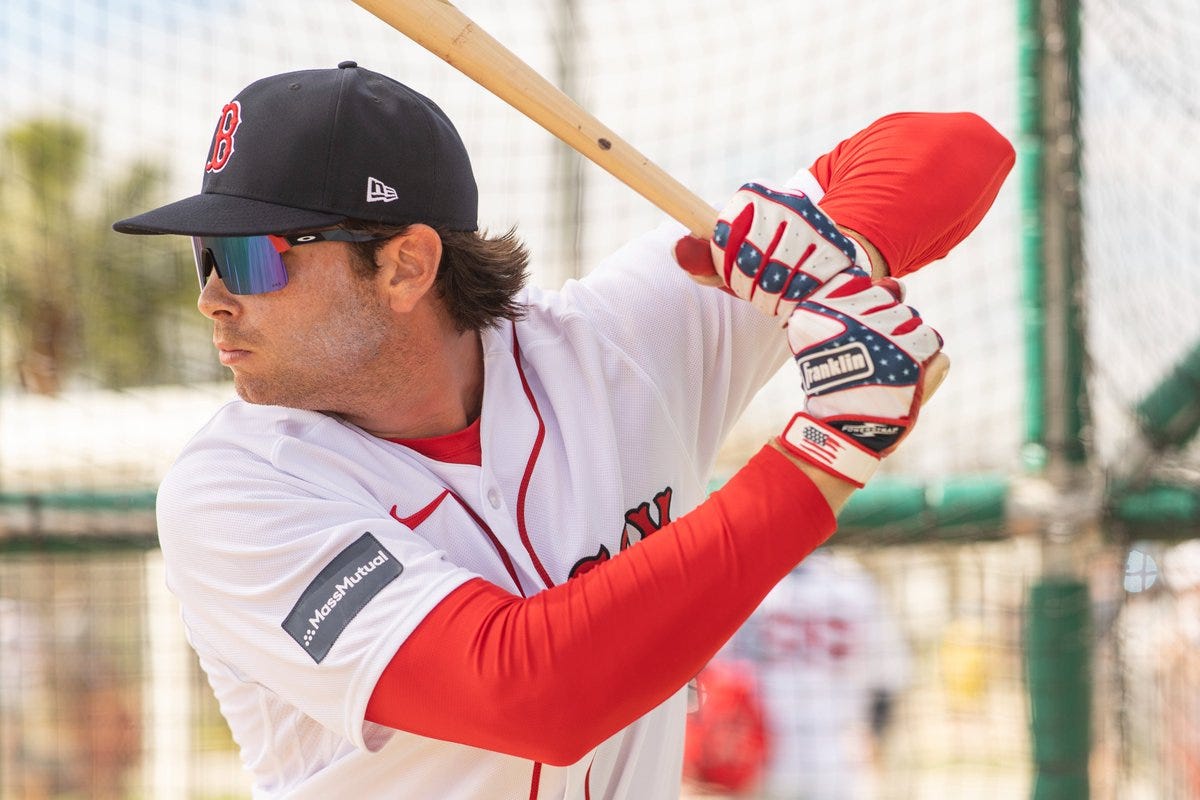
{"x": 836, "y": 366}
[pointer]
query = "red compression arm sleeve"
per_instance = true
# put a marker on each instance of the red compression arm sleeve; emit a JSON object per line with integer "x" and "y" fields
{"x": 551, "y": 676}
{"x": 915, "y": 183}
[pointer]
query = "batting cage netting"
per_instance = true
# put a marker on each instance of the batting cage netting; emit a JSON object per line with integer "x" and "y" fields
{"x": 1030, "y": 550}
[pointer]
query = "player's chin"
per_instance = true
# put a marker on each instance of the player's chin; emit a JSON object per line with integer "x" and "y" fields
{"x": 254, "y": 391}
{"x": 278, "y": 391}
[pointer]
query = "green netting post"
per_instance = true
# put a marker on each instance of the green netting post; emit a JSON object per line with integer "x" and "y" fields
{"x": 1058, "y": 657}
{"x": 1030, "y": 160}
{"x": 1170, "y": 414}
{"x": 1057, "y": 646}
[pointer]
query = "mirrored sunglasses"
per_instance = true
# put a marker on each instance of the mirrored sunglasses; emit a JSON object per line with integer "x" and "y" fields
{"x": 254, "y": 264}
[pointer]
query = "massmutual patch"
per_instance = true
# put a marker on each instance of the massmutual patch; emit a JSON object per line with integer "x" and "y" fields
{"x": 338, "y": 593}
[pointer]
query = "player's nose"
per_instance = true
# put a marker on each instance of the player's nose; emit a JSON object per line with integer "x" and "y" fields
{"x": 215, "y": 300}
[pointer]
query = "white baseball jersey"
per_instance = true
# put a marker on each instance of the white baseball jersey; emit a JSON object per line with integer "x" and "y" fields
{"x": 822, "y": 643}
{"x": 304, "y": 551}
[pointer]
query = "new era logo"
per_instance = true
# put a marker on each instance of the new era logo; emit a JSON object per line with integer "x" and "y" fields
{"x": 379, "y": 192}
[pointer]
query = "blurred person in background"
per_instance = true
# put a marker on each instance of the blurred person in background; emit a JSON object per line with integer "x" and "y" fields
{"x": 727, "y": 742}
{"x": 103, "y": 726}
{"x": 70, "y": 723}
{"x": 26, "y": 770}
{"x": 828, "y": 662}
{"x": 1180, "y": 665}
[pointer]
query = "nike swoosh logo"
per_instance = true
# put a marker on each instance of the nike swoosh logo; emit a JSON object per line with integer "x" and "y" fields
{"x": 422, "y": 515}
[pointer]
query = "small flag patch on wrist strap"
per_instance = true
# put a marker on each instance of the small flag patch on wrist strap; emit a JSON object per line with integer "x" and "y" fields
{"x": 829, "y": 449}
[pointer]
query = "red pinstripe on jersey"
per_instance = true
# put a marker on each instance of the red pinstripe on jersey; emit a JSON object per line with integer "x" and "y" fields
{"x": 535, "y": 780}
{"x": 523, "y": 492}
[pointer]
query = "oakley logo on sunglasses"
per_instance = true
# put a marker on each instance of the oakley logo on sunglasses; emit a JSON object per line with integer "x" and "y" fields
{"x": 380, "y": 192}
{"x": 222, "y": 146}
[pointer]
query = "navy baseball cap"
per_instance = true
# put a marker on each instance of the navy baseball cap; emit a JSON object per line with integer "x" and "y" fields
{"x": 310, "y": 149}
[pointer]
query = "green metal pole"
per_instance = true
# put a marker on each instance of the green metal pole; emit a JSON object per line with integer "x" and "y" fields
{"x": 1076, "y": 413}
{"x": 1170, "y": 414}
{"x": 1058, "y": 672}
{"x": 896, "y": 511}
{"x": 1158, "y": 511}
{"x": 1057, "y": 646}
{"x": 1029, "y": 171}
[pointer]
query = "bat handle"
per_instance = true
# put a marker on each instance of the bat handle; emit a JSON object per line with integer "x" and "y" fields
{"x": 683, "y": 206}
{"x": 615, "y": 155}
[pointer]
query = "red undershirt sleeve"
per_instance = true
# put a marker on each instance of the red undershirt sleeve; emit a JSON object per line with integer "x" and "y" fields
{"x": 550, "y": 676}
{"x": 915, "y": 183}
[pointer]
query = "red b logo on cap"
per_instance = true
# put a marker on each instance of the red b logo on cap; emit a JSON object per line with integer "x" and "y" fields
{"x": 222, "y": 146}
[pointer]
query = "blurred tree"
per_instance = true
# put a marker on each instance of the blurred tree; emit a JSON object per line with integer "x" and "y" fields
{"x": 82, "y": 304}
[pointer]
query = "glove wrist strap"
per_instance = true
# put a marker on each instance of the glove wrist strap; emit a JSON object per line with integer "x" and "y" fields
{"x": 829, "y": 449}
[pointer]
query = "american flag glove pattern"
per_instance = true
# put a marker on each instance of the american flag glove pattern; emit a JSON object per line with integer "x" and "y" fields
{"x": 862, "y": 355}
{"x": 774, "y": 248}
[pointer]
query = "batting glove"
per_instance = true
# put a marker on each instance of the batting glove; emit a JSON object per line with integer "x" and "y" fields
{"x": 772, "y": 247}
{"x": 862, "y": 355}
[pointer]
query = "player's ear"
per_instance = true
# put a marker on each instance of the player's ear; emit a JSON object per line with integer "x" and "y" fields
{"x": 408, "y": 265}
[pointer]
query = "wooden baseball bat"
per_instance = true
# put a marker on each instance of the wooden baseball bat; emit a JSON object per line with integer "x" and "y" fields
{"x": 446, "y": 32}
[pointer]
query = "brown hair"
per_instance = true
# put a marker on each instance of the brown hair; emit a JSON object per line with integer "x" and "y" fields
{"x": 478, "y": 277}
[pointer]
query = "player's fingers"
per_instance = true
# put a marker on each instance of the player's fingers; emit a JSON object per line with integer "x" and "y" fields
{"x": 893, "y": 286}
{"x": 935, "y": 373}
{"x": 694, "y": 255}
{"x": 859, "y": 296}
{"x": 770, "y": 283}
{"x": 734, "y": 246}
{"x": 805, "y": 328}
{"x": 825, "y": 259}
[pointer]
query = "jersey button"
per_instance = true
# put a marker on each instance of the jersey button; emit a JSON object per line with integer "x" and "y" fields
{"x": 493, "y": 496}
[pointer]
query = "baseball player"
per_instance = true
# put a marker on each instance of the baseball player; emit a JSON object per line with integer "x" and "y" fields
{"x": 828, "y": 661}
{"x": 453, "y": 540}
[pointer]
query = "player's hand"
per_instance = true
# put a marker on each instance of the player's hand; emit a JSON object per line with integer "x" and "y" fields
{"x": 863, "y": 356}
{"x": 771, "y": 247}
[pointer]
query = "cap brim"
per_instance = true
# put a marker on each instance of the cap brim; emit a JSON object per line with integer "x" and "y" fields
{"x": 225, "y": 215}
